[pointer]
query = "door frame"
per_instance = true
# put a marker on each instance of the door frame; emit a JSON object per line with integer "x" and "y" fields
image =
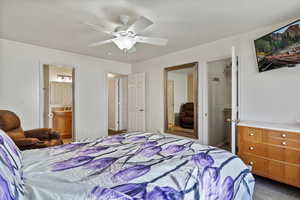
{"x": 205, "y": 92}
{"x": 41, "y": 93}
{"x": 234, "y": 99}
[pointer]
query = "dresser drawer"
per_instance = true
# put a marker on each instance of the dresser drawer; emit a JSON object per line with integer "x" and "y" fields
{"x": 275, "y": 153}
{"x": 286, "y": 173}
{"x": 292, "y": 156}
{"x": 283, "y": 142}
{"x": 282, "y": 134}
{"x": 258, "y": 164}
{"x": 250, "y": 134}
{"x": 253, "y": 148}
{"x": 292, "y": 175}
{"x": 276, "y": 170}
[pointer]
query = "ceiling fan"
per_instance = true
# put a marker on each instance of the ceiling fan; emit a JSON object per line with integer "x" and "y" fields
{"x": 126, "y": 36}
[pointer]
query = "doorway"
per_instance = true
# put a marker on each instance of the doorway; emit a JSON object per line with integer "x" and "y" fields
{"x": 219, "y": 103}
{"x": 58, "y": 94}
{"x": 117, "y": 103}
{"x": 222, "y": 97}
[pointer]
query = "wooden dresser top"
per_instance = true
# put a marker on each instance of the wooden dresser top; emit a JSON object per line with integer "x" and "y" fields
{"x": 272, "y": 126}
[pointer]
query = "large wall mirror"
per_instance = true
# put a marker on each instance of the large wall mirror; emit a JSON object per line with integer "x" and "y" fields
{"x": 181, "y": 100}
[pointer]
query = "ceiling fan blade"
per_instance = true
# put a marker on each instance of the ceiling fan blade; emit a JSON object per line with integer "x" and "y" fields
{"x": 150, "y": 40}
{"x": 100, "y": 43}
{"x": 98, "y": 28}
{"x": 140, "y": 25}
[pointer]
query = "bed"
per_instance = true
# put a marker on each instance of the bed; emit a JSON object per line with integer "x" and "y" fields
{"x": 130, "y": 166}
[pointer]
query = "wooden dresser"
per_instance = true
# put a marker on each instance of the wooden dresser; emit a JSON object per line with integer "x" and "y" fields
{"x": 272, "y": 150}
{"x": 62, "y": 123}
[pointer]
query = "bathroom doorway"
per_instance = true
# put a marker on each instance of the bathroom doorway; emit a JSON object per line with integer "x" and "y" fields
{"x": 219, "y": 74}
{"x": 58, "y": 93}
{"x": 117, "y": 91}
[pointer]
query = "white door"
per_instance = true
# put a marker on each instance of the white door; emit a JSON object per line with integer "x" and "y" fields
{"x": 234, "y": 99}
{"x": 136, "y": 102}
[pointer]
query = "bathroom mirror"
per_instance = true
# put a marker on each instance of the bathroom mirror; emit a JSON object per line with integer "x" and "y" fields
{"x": 181, "y": 100}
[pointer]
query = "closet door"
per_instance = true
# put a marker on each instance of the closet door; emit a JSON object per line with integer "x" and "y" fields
{"x": 136, "y": 102}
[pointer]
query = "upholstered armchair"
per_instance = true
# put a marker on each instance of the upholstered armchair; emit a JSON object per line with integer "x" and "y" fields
{"x": 186, "y": 115}
{"x": 31, "y": 139}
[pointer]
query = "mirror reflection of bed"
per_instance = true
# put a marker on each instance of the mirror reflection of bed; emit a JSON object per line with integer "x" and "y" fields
{"x": 180, "y": 100}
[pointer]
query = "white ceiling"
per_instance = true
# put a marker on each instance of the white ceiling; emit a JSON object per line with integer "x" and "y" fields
{"x": 59, "y": 24}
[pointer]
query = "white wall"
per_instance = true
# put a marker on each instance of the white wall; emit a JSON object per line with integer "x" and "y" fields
{"x": 180, "y": 88}
{"x": 20, "y": 67}
{"x": 271, "y": 96}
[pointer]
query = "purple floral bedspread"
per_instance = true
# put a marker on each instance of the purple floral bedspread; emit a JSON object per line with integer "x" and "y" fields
{"x": 136, "y": 166}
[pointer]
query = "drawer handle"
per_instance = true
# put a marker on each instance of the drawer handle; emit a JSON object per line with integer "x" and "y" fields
{"x": 283, "y": 135}
{"x": 251, "y": 148}
{"x": 284, "y": 143}
{"x": 251, "y": 163}
{"x": 251, "y": 134}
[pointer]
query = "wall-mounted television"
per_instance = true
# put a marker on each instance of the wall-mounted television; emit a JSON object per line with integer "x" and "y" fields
{"x": 280, "y": 48}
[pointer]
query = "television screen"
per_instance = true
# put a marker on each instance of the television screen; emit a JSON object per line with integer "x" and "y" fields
{"x": 280, "y": 48}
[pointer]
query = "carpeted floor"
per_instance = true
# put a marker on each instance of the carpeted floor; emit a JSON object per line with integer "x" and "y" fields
{"x": 266, "y": 189}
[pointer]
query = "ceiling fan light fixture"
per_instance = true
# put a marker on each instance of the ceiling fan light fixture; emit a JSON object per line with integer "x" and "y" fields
{"x": 127, "y": 35}
{"x": 125, "y": 43}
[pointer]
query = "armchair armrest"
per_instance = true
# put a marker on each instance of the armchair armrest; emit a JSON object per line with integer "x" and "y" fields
{"x": 29, "y": 143}
{"x": 40, "y": 133}
{"x": 21, "y": 142}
